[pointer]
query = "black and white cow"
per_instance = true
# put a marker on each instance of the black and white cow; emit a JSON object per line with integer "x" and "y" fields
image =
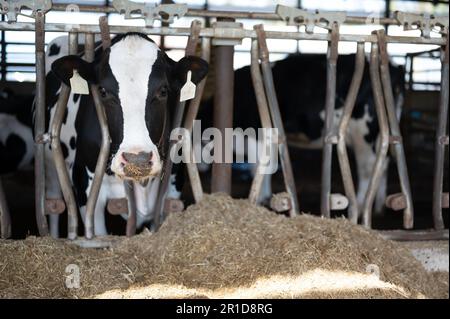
{"x": 16, "y": 135}
{"x": 139, "y": 85}
{"x": 300, "y": 83}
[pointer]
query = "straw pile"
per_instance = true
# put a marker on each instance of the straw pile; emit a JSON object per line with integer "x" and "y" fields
{"x": 224, "y": 248}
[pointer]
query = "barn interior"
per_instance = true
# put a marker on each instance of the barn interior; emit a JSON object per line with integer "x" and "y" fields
{"x": 419, "y": 117}
{"x": 418, "y": 121}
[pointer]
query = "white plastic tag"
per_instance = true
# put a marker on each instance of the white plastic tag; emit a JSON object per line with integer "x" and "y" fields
{"x": 78, "y": 84}
{"x": 188, "y": 90}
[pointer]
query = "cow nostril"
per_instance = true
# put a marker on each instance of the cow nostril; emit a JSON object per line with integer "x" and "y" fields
{"x": 150, "y": 156}
{"x": 124, "y": 158}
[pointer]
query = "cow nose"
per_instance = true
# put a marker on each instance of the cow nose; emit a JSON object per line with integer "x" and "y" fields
{"x": 140, "y": 159}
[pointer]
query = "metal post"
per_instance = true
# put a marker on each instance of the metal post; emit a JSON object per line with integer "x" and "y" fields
{"x": 223, "y": 113}
{"x": 441, "y": 142}
{"x": 58, "y": 157}
{"x": 383, "y": 138}
{"x": 344, "y": 163}
{"x": 332, "y": 56}
{"x": 5, "y": 217}
{"x": 264, "y": 114}
{"x": 39, "y": 125}
{"x": 177, "y": 121}
{"x": 131, "y": 221}
{"x": 277, "y": 121}
{"x": 408, "y": 212}
{"x": 104, "y": 149}
{"x": 191, "y": 114}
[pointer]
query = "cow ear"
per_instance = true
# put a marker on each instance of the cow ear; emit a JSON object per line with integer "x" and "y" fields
{"x": 197, "y": 66}
{"x": 64, "y": 67}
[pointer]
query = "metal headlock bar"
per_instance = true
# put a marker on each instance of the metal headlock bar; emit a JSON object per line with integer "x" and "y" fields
{"x": 224, "y": 35}
{"x": 277, "y": 121}
{"x": 5, "y": 217}
{"x": 440, "y": 199}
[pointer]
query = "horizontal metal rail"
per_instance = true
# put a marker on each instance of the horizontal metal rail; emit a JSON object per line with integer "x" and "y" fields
{"x": 226, "y": 14}
{"x": 227, "y": 33}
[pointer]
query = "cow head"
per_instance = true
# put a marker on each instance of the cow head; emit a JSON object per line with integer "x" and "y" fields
{"x": 137, "y": 83}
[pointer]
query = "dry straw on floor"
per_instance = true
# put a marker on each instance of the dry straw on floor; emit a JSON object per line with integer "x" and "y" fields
{"x": 224, "y": 248}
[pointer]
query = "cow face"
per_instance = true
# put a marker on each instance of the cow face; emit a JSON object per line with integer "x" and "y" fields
{"x": 136, "y": 82}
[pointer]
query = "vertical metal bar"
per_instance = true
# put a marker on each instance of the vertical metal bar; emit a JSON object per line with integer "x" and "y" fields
{"x": 223, "y": 114}
{"x": 349, "y": 105}
{"x": 131, "y": 221}
{"x": 408, "y": 213}
{"x": 177, "y": 121}
{"x": 58, "y": 157}
{"x": 191, "y": 114}
{"x": 5, "y": 217}
{"x": 104, "y": 149}
{"x": 332, "y": 56}
{"x": 383, "y": 138}
{"x": 440, "y": 142}
{"x": 276, "y": 120}
{"x": 264, "y": 114}
{"x": 39, "y": 125}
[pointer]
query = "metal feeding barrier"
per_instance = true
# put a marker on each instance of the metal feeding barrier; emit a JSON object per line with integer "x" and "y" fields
{"x": 221, "y": 37}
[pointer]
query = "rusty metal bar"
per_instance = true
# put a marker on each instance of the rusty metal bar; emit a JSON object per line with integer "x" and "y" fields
{"x": 104, "y": 148}
{"x": 223, "y": 113}
{"x": 349, "y": 105}
{"x": 39, "y": 126}
{"x": 5, "y": 217}
{"x": 408, "y": 212}
{"x": 228, "y": 33}
{"x": 226, "y": 14}
{"x": 327, "y": 151}
{"x": 440, "y": 142}
{"x": 177, "y": 121}
{"x": 191, "y": 114}
{"x": 383, "y": 138}
{"x": 131, "y": 200}
{"x": 277, "y": 120}
{"x": 264, "y": 114}
{"x": 58, "y": 157}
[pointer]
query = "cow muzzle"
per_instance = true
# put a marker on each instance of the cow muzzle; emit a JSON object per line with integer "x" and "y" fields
{"x": 138, "y": 166}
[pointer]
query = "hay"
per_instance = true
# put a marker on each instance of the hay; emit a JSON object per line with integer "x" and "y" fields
{"x": 224, "y": 248}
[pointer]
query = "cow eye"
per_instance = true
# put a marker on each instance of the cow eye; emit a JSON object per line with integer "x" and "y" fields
{"x": 163, "y": 92}
{"x": 102, "y": 92}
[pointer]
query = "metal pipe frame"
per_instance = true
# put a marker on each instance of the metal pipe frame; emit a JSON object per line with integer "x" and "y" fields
{"x": 191, "y": 115}
{"x": 221, "y": 174}
{"x": 39, "y": 126}
{"x": 58, "y": 157}
{"x": 264, "y": 115}
{"x": 228, "y": 33}
{"x": 441, "y": 142}
{"x": 277, "y": 121}
{"x": 226, "y": 14}
{"x": 193, "y": 40}
{"x": 349, "y": 105}
{"x": 5, "y": 217}
{"x": 383, "y": 138}
{"x": 131, "y": 200}
{"x": 327, "y": 151}
{"x": 400, "y": 158}
{"x": 104, "y": 149}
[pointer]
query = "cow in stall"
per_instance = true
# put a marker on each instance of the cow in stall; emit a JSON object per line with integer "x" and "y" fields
{"x": 300, "y": 83}
{"x": 139, "y": 86}
{"x": 16, "y": 135}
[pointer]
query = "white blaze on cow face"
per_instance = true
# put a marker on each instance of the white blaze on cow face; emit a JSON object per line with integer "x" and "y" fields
{"x": 131, "y": 61}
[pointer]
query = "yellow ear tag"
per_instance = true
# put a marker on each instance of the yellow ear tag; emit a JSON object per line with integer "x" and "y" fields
{"x": 188, "y": 90}
{"x": 78, "y": 85}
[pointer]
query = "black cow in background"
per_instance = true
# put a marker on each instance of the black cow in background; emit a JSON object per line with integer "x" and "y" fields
{"x": 300, "y": 83}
